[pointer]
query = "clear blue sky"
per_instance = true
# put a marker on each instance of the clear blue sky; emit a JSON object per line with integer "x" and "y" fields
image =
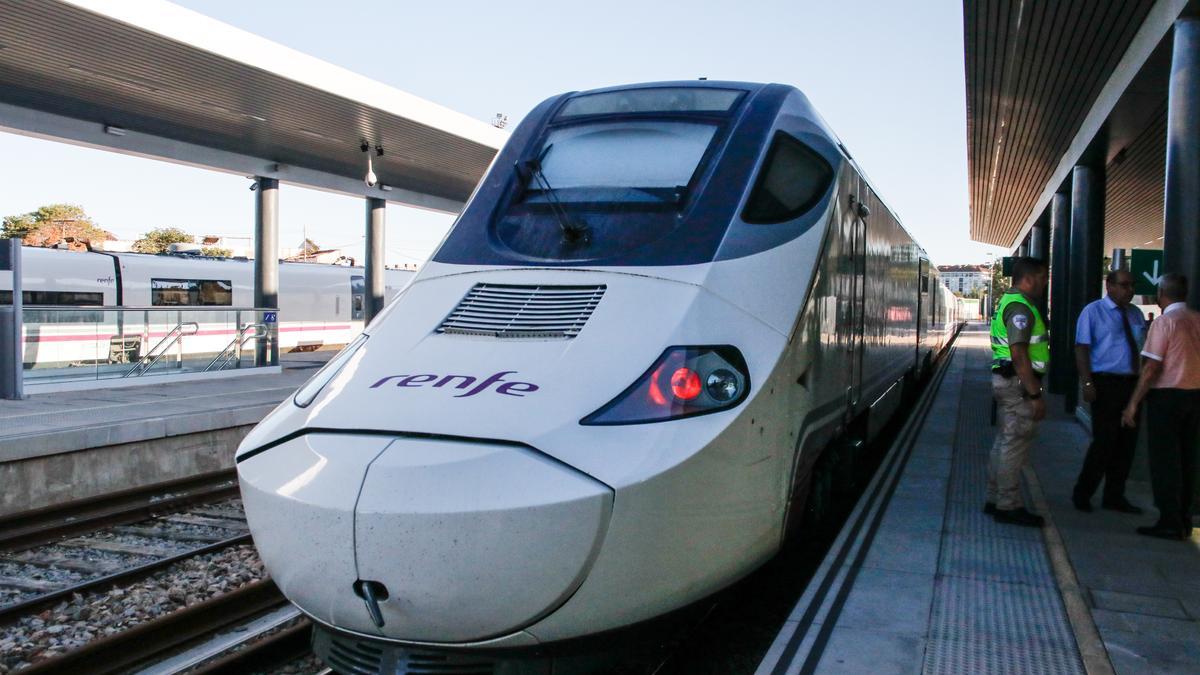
{"x": 887, "y": 76}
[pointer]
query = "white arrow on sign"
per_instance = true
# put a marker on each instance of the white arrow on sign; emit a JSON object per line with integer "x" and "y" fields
{"x": 1153, "y": 279}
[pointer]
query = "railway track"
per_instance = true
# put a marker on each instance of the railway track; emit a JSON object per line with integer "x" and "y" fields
{"x": 146, "y": 642}
{"x": 116, "y": 539}
{"x": 53, "y": 557}
{"x": 38, "y": 526}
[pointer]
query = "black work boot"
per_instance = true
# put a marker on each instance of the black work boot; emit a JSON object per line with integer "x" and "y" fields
{"x": 1019, "y": 516}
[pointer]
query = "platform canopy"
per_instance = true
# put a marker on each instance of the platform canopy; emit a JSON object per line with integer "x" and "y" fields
{"x": 1047, "y": 84}
{"x": 149, "y": 78}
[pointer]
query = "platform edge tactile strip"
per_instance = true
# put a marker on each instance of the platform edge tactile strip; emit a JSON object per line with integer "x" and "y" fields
{"x": 996, "y": 606}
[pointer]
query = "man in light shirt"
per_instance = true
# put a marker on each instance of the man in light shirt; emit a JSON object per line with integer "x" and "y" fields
{"x": 1170, "y": 383}
{"x": 1107, "y": 339}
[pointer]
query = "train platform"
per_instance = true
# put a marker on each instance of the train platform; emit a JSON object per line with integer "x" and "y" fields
{"x": 76, "y": 444}
{"x": 921, "y": 580}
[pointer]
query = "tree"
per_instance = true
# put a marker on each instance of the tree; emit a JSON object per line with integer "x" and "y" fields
{"x": 157, "y": 240}
{"x": 50, "y": 224}
{"x": 216, "y": 251}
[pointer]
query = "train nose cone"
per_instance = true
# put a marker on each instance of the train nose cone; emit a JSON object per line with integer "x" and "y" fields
{"x": 299, "y": 498}
{"x": 462, "y": 540}
{"x": 474, "y": 540}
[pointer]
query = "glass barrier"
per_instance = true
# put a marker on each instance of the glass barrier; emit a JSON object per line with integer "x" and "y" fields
{"x": 63, "y": 344}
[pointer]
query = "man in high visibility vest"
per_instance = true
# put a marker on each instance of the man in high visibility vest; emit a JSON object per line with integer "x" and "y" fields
{"x": 1020, "y": 356}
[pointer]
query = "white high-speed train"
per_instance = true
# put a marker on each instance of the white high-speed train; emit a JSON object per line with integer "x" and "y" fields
{"x": 319, "y": 305}
{"x": 606, "y": 395}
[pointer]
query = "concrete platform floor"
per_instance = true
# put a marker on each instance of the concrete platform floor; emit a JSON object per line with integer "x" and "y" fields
{"x": 943, "y": 588}
{"x": 77, "y": 420}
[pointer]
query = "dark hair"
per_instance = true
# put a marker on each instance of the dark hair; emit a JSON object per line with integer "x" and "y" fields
{"x": 1111, "y": 277}
{"x": 1024, "y": 266}
{"x": 1174, "y": 286}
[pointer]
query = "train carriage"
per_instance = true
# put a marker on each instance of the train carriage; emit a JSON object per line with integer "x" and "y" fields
{"x": 608, "y": 393}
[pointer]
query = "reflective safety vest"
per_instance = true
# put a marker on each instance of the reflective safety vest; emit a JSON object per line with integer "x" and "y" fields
{"x": 1039, "y": 341}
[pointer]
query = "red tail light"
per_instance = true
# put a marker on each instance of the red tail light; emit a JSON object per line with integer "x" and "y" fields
{"x": 674, "y": 387}
{"x": 685, "y": 384}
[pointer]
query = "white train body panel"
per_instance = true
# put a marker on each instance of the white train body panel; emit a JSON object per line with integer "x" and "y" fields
{"x": 491, "y": 489}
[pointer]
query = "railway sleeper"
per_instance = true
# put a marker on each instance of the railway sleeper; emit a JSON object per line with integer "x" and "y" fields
{"x": 160, "y": 533}
{"x": 26, "y": 585}
{"x": 116, "y": 547}
{"x": 59, "y": 562}
{"x": 189, "y": 519}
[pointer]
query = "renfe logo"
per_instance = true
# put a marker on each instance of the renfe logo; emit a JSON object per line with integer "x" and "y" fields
{"x": 518, "y": 389}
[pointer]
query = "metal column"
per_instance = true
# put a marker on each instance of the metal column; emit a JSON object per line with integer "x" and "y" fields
{"x": 266, "y": 262}
{"x": 1039, "y": 240}
{"x": 1087, "y": 252}
{"x": 1062, "y": 368}
{"x": 12, "y": 371}
{"x": 1023, "y": 250}
{"x": 374, "y": 273}
{"x": 1181, "y": 226}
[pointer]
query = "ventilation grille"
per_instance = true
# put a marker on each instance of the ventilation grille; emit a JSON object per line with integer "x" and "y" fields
{"x": 504, "y": 311}
{"x": 351, "y": 656}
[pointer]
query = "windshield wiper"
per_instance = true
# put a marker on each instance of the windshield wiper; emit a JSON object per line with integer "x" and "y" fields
{"x": 573, "y": 231}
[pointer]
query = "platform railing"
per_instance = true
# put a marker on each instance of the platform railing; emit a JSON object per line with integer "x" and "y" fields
{"x": 70, "y": 344}
{"x": 232, "y": 355}
{"x": 172, "y": 338}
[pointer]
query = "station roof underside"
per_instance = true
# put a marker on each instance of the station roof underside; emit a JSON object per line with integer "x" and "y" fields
{"x": 1034, "y": 73}
{"x": 160, "y": 70}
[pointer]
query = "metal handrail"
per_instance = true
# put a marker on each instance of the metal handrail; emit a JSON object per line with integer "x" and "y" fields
{"x": 234, "y": 348}
{"x": 173, "y": 336}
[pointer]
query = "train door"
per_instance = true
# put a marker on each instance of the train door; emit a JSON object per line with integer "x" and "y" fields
{"x": 857, "y": 254}
{"x": 357, "y": 296}
{"x": 924, "y": 301}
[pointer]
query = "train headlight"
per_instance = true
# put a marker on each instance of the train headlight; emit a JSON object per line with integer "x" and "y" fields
{"x": 317, "y": 382}
{"x": 683, "y": 382}
{"x": 722, "y": 385}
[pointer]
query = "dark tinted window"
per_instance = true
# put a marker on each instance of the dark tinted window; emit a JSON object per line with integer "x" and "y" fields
{"x": 190, "y": 292}
{"x": 60, "y": 298}
{"x": 667, "y": 99}
{"x": 791, "y": 182}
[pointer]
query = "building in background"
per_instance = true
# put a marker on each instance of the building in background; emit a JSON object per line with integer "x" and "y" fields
{"x": 964, "y": 279}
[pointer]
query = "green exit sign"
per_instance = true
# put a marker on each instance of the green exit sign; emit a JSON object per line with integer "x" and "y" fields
{"x": 1146, "y": 267}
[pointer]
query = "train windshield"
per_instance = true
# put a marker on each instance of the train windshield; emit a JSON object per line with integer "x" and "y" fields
{"x": 599, "y": 188}
{"x": 630, "y": 161}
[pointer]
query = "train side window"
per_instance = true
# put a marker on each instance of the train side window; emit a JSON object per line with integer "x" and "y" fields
{"x": 191, "y": 292}
{"x": 62, "y": 298}
{"x": 357, "y": 295}
{"x": 792, "y": 180}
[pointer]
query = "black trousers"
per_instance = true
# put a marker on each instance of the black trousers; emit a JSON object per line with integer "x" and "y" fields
{"x": 1173, "y": 425}
{"x": 1110, "y": 456}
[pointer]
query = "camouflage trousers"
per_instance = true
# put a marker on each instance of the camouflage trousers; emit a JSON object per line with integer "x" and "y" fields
{"x": 1014, "y": 437}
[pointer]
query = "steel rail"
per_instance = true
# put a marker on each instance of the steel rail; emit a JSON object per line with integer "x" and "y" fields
{"x": 26, "y": 529}
{"x": 263, "y": 653}
{"x": 138, "y": 644}
{"x": 32, "y": 605}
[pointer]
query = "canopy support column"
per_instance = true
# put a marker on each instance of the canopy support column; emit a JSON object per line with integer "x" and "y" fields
{"x": 1039, "y": 240}
{"x": 1087, "y": 255}
{"x": 1181, "y": 226}
{"x": 374, "y": 273}
{"x": 1061, "y": 357}
{"x": 266, "y": 261}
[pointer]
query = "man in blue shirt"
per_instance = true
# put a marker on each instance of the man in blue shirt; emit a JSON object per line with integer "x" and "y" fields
{"x": 1108, "y": 338}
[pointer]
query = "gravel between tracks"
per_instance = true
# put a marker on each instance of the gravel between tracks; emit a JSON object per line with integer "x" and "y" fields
{"x": 74, "y": 622}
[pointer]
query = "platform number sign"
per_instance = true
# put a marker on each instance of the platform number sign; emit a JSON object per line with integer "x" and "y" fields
{"x": 1146, "y": 267}
{"x": 270, "y": 317}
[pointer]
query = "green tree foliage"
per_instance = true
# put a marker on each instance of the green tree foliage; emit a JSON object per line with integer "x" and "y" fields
{"x": 216, "y": 251}
{"x": 157, "y": 240}
{"x": 53, "y": 223}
